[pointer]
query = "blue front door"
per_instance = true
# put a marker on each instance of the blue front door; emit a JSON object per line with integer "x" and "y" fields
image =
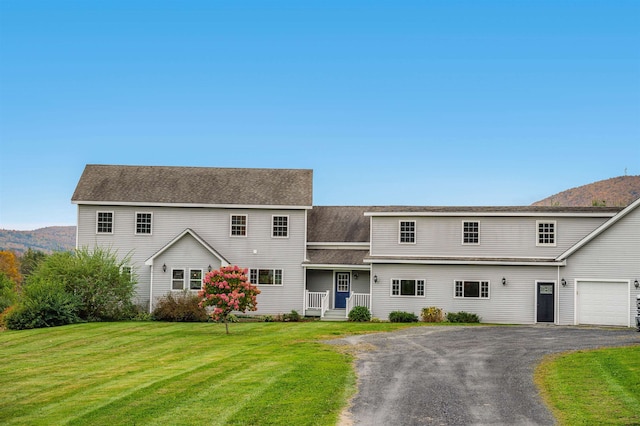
{"x": 342, "y": 289}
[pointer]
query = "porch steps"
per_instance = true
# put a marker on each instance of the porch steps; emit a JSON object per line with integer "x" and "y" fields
{"x": 335, "y": 315}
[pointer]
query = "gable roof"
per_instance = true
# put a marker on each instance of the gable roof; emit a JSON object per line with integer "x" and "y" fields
{"x": 197, "y": 186}
{"x": 343, "y": 224}
{"x": 599, "y": 230}
{"x": 189, "y": 231}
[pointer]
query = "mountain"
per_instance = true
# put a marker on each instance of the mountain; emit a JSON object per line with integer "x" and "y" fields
{"x": 49, "y": 239}
{"x": 615, "y": 192}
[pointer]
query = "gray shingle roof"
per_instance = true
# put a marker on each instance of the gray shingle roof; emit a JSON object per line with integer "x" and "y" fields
{"x": 492, "y": 209}
{"x": 195, "y": 185}
{"x": 338, "y": 224}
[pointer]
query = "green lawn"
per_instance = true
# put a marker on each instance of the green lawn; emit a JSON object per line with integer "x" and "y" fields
{"x": 593, "y": 387}
{"x": 177, "y": 373}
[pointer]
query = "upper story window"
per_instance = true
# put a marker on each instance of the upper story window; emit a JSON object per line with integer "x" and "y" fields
{"x": 472, "y": 289}
{"x": 407, "y": 232}
{"x": 143, "y": 223}
{"x": 280, "y": 227}
{"x": 407, "y": 287}
{"x": 238, "y": 225}
{"x": 546, "y": 233}
{"x": 104, "y": 223}
{"x": 470, "y": 232}
{"x": 265, "y": 276}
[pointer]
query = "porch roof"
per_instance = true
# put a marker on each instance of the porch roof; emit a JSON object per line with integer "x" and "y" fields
{"x": 336, "y": 257}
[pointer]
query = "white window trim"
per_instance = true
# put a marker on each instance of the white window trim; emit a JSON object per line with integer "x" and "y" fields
{"x": 479, "y": 289}
{"x": 186, "y": 277}
{"x": 189, "y": 278}
{"x": 113, "y": 222}
{"x": 273, "y": 226}
{"x": 135, "y": 225}
{"x": 424, "y": 284}
{"x": 555, "y": 233}
{"x": 415, "y": 231}
{"x": 246, "y": 226}
{"x": 462, "y": 228}
{"x": 123, "y": 267}
{"x": 274, "y": 277}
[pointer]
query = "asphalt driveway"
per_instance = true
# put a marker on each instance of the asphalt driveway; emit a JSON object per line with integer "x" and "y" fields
{"x": 462, "y": 375}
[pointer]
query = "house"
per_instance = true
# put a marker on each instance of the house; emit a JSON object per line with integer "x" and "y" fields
{"x": 525, "y": 265}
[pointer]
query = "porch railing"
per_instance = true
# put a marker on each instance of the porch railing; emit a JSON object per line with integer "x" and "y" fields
{"x": 358, "y": 299}
{"x": 317, "y": 300}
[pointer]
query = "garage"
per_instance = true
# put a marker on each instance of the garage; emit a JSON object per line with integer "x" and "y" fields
{"x": 601, "y": 302}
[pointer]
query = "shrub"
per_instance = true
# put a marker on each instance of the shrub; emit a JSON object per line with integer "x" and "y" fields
{"x": 43, "y": 304}
{"x": 105, "y": 291}
{"x": 268, "y": 318}
{"x": 400, "y": 316}
{"x": 181, "y": 306}
{"x": 293, "y": 316}
{"x": 462, "y": 317}
{"x": 432, "y": 314}
{"x": 8, "y": 295}
{"x": 360, "y": 314}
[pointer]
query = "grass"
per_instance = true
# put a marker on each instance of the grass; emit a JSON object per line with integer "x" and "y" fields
{"x": 592, "y": 387}
{"x": 177, "y": 373}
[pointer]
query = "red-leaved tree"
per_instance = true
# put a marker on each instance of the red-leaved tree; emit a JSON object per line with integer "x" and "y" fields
{"x": 226, "y": 290}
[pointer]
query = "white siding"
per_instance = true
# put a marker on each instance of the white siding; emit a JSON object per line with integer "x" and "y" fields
{"x": 511, "y": 303}
{"x": 257, "y": 250}
{"x": 612, "y": 255}
{"x": 499, "y": 236}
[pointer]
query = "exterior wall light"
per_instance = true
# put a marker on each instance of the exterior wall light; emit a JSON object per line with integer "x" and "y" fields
{"x": 375, "y": 278}
{"x": 355, "y": 275}
{"x": 504, "y": 281}
{"x": 563, "y": 282}
{"x": 636, "y": 283}
{"x": 209, "y": 268}
{"x": 164, "y": 267}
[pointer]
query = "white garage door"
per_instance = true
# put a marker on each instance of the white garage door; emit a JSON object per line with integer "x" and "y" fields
{"x": 603, "y": 303}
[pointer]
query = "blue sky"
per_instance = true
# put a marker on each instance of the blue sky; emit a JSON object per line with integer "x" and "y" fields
{"x": 389, "y": 102}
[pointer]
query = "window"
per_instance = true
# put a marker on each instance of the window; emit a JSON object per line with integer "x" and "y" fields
{"x": 239, "y": 225}
{"x": 143, "y": 223}
{"x": 280, "y": 226}
{"x": 177, "y": 279}
{"x": 104, "y": 223}
{"x": 195, "y": 279}
{"x": 266, "y": 276}
{"x": 407, "y": 287}
{"x": 127, "y": 272}
{"x": 546, "y": 233}
{"x": 470, "y": 232}
{"x": 472, "y": 289}
{"x": 407, "y": 232}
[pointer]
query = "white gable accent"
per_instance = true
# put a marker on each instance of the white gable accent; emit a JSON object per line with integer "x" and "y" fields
{"x": 608, "y": 224}
{"x": 223, "y": 261}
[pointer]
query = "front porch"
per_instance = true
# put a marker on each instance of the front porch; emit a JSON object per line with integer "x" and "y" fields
{"x": 317, "y": 304}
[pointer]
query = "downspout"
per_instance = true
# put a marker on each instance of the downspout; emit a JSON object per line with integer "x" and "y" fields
{"x": 151, "y": 291}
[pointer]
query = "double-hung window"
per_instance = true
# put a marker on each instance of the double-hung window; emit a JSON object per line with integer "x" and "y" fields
{"x": 265, "y": 276}
{"x": 195, "y": 279}
{"x": 104, "y": 222}
{"x": 407, "y": 232}
{"x": 280, "y": 227}
{"x": 546, "y": 233}
{"x": 407, "y": 287}
{"x": 177, "y": 279}
{"x": 472, "y": 289}
{"x": 471, "y": 233}
{"x": 143, "y": 223}
{"x": 238, "y": 225}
